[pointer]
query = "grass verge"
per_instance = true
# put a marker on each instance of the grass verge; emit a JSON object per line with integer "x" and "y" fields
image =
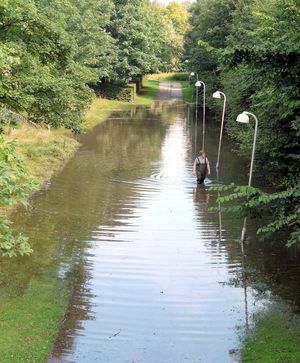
{"x": 275, "y": 339}
{"x": 29, "y": 322}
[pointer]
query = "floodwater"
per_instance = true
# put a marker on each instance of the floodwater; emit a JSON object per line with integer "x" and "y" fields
{"x": 156, "y": 278}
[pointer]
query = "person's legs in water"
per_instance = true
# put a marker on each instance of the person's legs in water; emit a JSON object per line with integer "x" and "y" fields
{"x": 200, "y": 181}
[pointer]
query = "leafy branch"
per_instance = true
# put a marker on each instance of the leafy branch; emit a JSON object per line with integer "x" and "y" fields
{"x": 282, "y": 208}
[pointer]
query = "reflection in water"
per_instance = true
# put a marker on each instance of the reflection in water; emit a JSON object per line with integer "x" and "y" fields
{"x": 155, "y": 277}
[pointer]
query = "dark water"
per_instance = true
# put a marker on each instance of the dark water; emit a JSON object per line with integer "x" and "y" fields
{"x": 156, "y": 277}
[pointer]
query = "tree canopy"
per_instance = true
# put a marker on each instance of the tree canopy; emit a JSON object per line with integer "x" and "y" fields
{"x": 251, "y": 50}
{"x": 52, "y": 52}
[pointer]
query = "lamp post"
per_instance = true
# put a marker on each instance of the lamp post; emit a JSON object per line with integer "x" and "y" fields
{"x": 197, "y": 84}
{"x": 219, "y": 94}
{"x": 244, "y": 118}
{"x": 193, "y": 74}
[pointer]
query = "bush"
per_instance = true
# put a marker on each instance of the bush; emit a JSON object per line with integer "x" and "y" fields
{"x": 117, "y": 92}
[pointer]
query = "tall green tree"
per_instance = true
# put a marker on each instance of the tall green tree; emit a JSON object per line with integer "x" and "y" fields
{"x": 252, "y": 49}
{"x": 140, "y": 35}
{"x": 176, "y": 17}
{"x": 210, "y": 25}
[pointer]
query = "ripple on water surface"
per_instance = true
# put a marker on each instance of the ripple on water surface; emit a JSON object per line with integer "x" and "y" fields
{"x": 156, "y": 289}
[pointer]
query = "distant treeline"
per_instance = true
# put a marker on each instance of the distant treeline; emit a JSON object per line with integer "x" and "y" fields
{"x": 53, "y": 52}
{"x": 250, "y": 50}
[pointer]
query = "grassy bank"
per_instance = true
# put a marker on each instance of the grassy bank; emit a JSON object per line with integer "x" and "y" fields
{"x": 33, "y": 304}
{"x": 43, "y": 151}
{"x": 275, "y": 339}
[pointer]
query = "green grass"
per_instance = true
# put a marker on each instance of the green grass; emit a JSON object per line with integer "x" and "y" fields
{"x": 28, "y": 323}
{"x": 101, "y": 108}
{"x": 187, "y": 91}
{"x": 43, "y": 151}
{"x": 275, "y": 339}
{"x": 148, "y": 94}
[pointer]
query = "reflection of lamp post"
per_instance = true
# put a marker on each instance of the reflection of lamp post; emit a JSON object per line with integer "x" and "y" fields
{"x": 218, "y": 95}
{"x": 199, "y": 84}
{"x": 244, "y": 118}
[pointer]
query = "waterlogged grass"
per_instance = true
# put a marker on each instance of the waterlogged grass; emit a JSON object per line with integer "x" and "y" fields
{"x": 275, "y": 339}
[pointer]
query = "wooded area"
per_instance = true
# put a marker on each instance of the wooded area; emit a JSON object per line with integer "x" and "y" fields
{"x": 53, "y": 52}
{"x": 251, "y": 51}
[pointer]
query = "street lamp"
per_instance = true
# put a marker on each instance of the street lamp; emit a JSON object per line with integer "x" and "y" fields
{"x": 199, "y": 84}
{"x": 219, "y": 94}
{"x": 244, "y": 118}
{"x": 193, "y": 74}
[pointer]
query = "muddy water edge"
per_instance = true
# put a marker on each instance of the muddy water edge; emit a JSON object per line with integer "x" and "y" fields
{"x": 153, "y": 276}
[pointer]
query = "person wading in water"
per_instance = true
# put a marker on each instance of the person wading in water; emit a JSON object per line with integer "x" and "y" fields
{"x": 201, "y": 167}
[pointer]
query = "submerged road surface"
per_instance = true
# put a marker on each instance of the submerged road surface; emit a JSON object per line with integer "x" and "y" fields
{"x": 157, "y": 278}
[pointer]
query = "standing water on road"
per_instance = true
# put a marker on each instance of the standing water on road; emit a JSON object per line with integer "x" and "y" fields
{"x": 158, "y": 279}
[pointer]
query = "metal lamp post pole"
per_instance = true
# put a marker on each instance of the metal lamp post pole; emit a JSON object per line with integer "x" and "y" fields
{"x": 253, "y": 147}
{"x": 244, "y": 118}
{"x": 203, "y": 118}
{"x": 197, "y": 85}
{"x": 216, "y": 95}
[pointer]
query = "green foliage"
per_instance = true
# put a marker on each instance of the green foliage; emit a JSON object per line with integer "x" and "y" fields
{"x": 274, "y": 339}
{"x": 143, "y": 47}
{"x": 14, "y": 189}
{"x": 210, "y": 20}
{"x": 260, "y": 73}
{"x": 281, "y": 209}
{"x": 250, "y": 50}
{"x": 52, "y": 52}
{"x": 117, "y": 92}
{"x": 176, "y": 17}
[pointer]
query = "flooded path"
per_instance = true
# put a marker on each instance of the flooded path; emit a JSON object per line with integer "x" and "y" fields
{"x": 156, "y": 278}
